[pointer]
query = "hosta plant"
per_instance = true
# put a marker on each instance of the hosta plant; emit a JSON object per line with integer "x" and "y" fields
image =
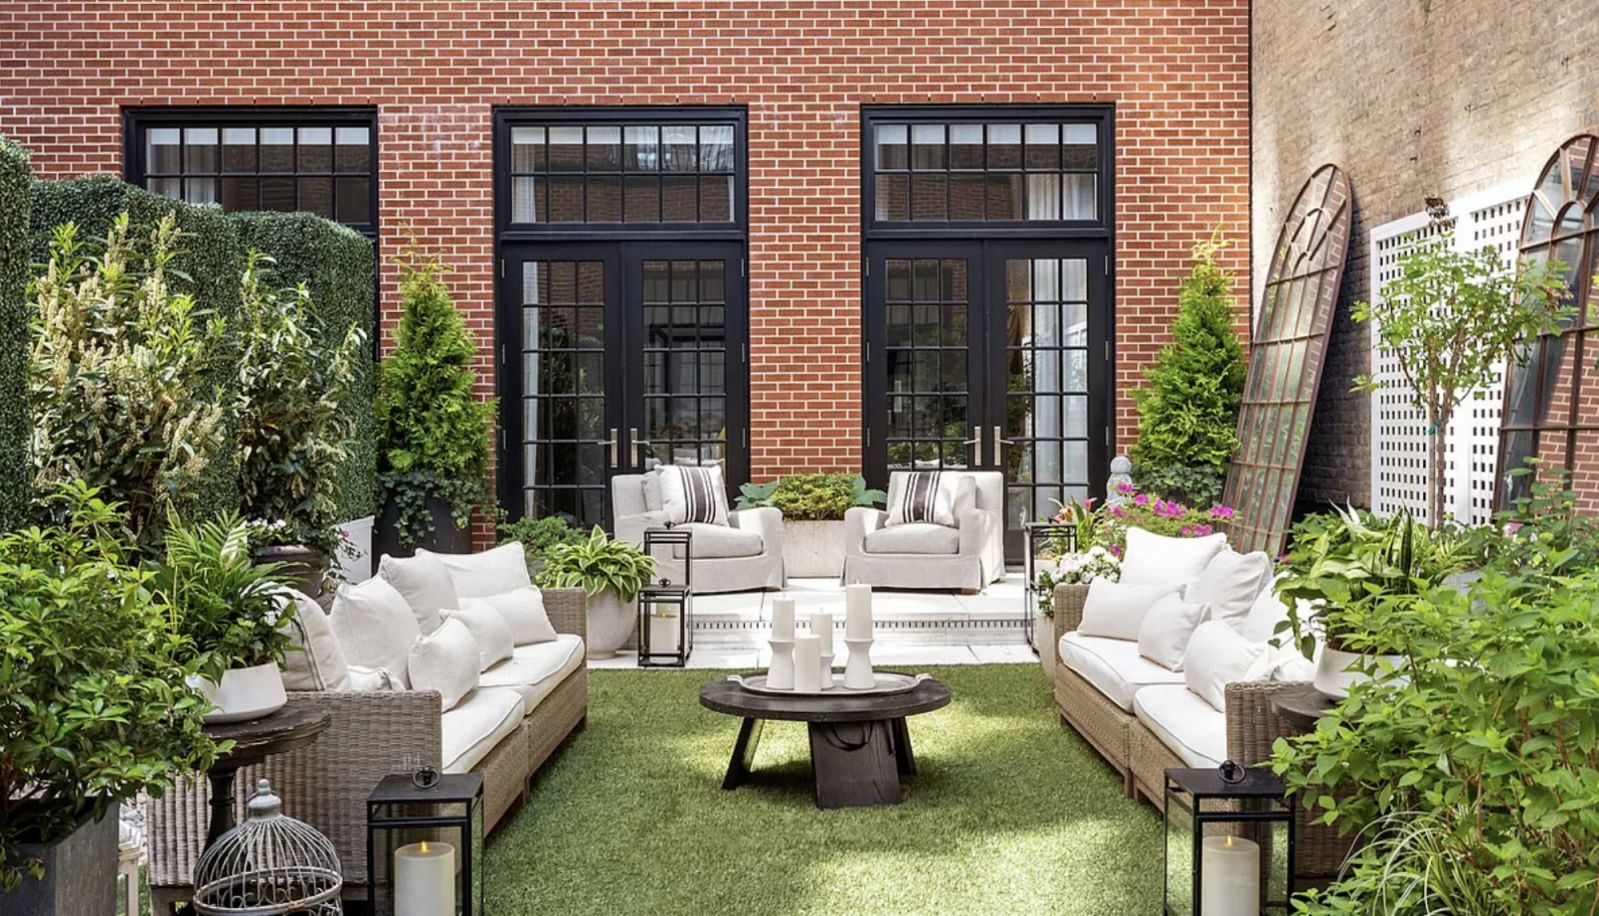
{"x": 595, "y": 564}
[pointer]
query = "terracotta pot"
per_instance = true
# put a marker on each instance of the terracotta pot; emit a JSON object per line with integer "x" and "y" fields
{"x": 80, "y": 873}
{"x": 610, "y": 623}
{"x": 244, "y": 693}
{"x": 307, "y": 567}
{"x": 1338, "y": 670}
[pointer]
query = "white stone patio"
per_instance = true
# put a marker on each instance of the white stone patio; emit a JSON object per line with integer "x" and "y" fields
{"x": 913, "y": 628}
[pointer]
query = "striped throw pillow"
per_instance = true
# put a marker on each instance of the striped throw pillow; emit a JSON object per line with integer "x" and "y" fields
{"x": 693, "y": 494}
{"x": 923, "y": 496}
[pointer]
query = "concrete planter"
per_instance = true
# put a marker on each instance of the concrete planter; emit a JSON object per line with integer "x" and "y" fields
{"x": 1337, "y": 670}
{"x": 80, "y": 873}
{"x": 611, "y": 622}
{"x": 813, "y": 550}
{"x": 1043, "y": 641}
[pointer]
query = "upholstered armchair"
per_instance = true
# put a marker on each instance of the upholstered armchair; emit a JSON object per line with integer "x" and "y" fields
{"x": 927, "y": 556}
{"x": 743, "y": 555}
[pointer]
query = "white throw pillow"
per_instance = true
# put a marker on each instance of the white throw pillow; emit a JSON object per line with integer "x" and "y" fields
{"x": 1155, "y": 559}
{"x": 1218, "y": 656}
{"x": 489, "y": 630}
{"x": 1230, "y": 583}
{"x": 490, "y": 572}
{"x": 370, "y": 679}
{"x": 316, "y": 661}
{"x": 523, "y": 610}
{"x": 375, "y": 626}
{"x": 1265, "y": 613}
{"x": 693, "y": 494}
{"x": 1167, "y": 627}
{"x": 936, "y": 497}
{"x": 445, "y": 660}
{"x": 1117, "y": 610}
{"x": 425, "y": 583}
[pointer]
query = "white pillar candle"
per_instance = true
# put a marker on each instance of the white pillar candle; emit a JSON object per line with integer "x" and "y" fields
{"x": 822, "y": 625}
{"x": 858, "y": 611}
{"x": 424, "y": 880}
{"x": 807, "y": 663}
{"x": 1229, "y": 876}
{"x": 782, "y": 618}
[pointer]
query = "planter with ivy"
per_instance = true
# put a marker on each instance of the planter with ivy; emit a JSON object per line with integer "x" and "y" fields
{"x": 610, "y": 574}
{"x": 813, "y": 507}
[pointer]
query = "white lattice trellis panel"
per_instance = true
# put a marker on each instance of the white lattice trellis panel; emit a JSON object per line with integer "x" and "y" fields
{"x": 1398, "y": 430}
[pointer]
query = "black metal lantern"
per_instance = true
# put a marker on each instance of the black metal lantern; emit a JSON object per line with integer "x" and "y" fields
{"x": 1037, "y": 536}
{"x": 1229, "y": 842}
{"x": 666, "y": 608}
{"x": 424, "y": 846}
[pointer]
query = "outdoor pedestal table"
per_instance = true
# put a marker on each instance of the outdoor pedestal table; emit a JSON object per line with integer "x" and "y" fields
{"x": 860, "y": 744}
{"x": 293, "y": 726}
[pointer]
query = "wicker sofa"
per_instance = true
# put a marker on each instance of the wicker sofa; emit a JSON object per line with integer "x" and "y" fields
{"x": 373, "y": 733}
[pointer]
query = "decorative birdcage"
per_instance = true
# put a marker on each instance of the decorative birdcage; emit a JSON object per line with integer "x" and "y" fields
{"x": 271, "y": 864}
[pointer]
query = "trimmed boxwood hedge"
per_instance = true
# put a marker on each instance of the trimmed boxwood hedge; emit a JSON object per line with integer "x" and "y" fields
{"x": 14, "y": 424}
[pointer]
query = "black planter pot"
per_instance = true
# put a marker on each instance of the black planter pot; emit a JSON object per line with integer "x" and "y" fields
{"x": 446, "y": 536}
{"x": 80, "y": 873}
{"x": 307, "y": 566}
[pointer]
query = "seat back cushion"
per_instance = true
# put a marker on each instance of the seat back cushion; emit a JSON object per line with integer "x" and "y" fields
{"x": 1117, "y": 610}
{"x": 523, "y": 610}
{"x": 491, "y": 572}
{"x": 693, "y": 494}
{"x": 928, "y": 497}
{"x": 489, "y": 630}
{"x": 1163, "y": 636}
{"x": 316, "y": 660}
{"x": 425, "y": 584}
{"x": 1217, "y": 656}
{"x": 445, "y": 660}
{"x": 627, "y": 494}
{"x": 375, "y": 627}
{"x": 1155, "y": 559}
{"x": 1230, "y": 583}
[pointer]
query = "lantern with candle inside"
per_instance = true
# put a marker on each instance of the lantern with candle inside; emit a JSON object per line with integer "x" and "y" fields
{"x": 425, "y": 846}
{"x": 665, "y": 625}
{"x": 1229, "y": 842}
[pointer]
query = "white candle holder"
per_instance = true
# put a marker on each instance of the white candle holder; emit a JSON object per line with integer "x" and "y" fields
{"x": 827, "y": 673}
{"x": 780, "y": 676}
{"x": 858, "y": 670}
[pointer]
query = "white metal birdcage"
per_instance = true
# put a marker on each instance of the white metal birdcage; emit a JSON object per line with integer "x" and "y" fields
{"x": 270, "y": 864}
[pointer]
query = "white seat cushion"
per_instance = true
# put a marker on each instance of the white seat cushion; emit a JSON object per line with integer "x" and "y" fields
{"x": 533, "y": 671}
{"x": 472, "y": 729}
{"x": 491, "y": 572}
{"x": 1185, "y": 723}
{"x": 1113, "y": 666}
{"x": 714, "y": 542}
{"x": 914, "y": 537}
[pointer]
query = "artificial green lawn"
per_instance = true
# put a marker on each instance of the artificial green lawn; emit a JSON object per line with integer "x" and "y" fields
{"x": 1009, "y": 813}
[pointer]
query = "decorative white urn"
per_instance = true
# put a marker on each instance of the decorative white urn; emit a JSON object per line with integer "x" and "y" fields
{"x": 1338, "y": 670}
{"x": 243, "y": 693}
{"x": 610, "y": 623}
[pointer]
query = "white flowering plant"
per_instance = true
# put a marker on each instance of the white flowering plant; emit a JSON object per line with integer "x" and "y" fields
{"x": 1079, "y": 568}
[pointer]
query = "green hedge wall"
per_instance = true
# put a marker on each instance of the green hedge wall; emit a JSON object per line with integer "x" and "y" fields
{"x": 335, "y": 263}
{"x": 14, "y": 426}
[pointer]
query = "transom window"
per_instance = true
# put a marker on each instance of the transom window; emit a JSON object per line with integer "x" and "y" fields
{"x": 624, "y": 173}
{"x": 322, "y": 164}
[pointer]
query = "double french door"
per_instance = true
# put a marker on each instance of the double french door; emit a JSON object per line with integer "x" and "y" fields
{"x": 991, "y": 355}
{"x": 618, "y": 357}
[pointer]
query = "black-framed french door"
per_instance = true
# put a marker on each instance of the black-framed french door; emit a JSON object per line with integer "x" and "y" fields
{"x": 629, "y": 355}
{"x": 991, "y": 355}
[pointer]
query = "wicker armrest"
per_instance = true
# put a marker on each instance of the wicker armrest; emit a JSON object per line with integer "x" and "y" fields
{"x": 1253, "y": 724}
{"x": 1068, "y": 602}
{"x": 568, "y": 610}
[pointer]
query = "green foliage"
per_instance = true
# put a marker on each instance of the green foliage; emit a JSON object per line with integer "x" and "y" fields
{"x": 93, "y": 707}
{"x": 433, "y": 432}
{"x": 1188, "y": 413}
{"x": 293, "y": 380}
{"x": 15, "y": 207}
{"x": 595, "y": 564}
{"x": 538, "y": 535}
{"x": 120, "y": 384}
{"x": 811, "y": 497}
{"x": 1410, "y": 864}
{"x": 1449, "y": 321}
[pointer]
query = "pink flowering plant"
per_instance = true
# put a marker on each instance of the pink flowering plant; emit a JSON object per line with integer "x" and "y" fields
{"x": 1138, "y": 509}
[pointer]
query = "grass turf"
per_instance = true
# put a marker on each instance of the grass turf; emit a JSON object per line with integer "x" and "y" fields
{"x": 1008, "y": 814}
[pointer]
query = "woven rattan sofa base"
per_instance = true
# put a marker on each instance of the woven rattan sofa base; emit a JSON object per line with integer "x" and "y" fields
{"x": 1104, "y": 725}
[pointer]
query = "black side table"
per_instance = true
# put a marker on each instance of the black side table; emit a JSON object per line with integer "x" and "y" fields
{"x": 293, "y": 726}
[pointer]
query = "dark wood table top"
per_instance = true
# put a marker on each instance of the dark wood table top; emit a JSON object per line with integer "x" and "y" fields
{"x": 293, "y": 726}
{"x": 1301, "y": 706}
{"x": 725, "y": 696}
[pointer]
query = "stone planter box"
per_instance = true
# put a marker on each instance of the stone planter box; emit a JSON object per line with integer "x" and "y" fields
{"x": 80, "y": 873}
{"x": 813, "y": 550}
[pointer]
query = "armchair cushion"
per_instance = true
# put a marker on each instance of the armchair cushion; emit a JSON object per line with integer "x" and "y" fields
{"x": 1113, "y": 666}
{"x": 937, "y": 497}
{"x": 534, "y": 671}
{"x": 425, "y": 583}
{"x": 523, "y": 609}
{"x": 1155, "y": 559}
{"x": 914, "y": 537}
{"x": 490, "y": 572}
{"x": 1189, "y": 727}
{"x": 711, "y": 542}
{"x": 475, "y": 727}
{"x": 375, "y": 627}
{"x": 694, "y": 494}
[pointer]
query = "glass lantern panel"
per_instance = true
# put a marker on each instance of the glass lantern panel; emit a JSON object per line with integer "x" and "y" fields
{"x": 1179, "y": 856}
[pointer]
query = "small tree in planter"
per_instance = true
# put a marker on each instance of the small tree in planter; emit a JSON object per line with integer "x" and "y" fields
{"x": 538, "y": 535}
{"x": 813, "y": 507}
{"x": 433, "y": 432}
{"x": 611, "y": 574}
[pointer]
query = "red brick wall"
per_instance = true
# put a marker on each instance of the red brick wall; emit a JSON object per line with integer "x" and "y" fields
{"x": 1177, "y": 73}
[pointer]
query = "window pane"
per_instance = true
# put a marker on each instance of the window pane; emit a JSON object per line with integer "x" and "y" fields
{"x": 277, "y": 149}
{"x": 893, "y": 197}
{"x": 200, "y": 150}
{"x": 1080, "y": 150}
{"x": 1043, "y": 196}
{"x": 966, "y": 146}
{"x": 893, "y": 151}
{"x": 316, "y": 196}
{"x": 527, "y": 204}
{"x": 316, "y": 149}
{"x": 605, "y": 198}
{"x": 354, "y": 200}
{"x": 566, "y": 151}
{"x": 678, "y": 147}
{"x": 1004, "y": 146}
{"x": 927, "y": 146}
{"x": 238, "y": 149}
{"x": 679, "y": 199}
{"x": 1004, "y": 197}
{"x": 716, "y": 148}
{"x": 716, "y": 199}
{"x": 277, "y": 193}
{"x": 642, "y": 152}
{"x": 604, "y": 149}
{"x": 966, "y": 196}
{"x": 1043, "y": 146}
{"x": 239, "y": 194}
{"x": 353, "y": 152}
{"x": 200, "y": 190}
{"x": 566, "y": 194}
{"x": 163, "y": 151}
{"x": 527, "y": 149}
{"x": 927, "y": 196}
{"x": 643, "y": 199}
{"x": 1079, "y": 196}
{"x": 167, "y": 187}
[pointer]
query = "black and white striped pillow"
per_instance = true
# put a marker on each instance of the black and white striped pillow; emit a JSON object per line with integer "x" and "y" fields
{"x": 922, "y": 496}
{"x": 694, "y": 494}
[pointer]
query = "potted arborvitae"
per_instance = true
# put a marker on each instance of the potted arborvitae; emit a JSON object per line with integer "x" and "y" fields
{"x": 813, "y": 507}
{"x": 93, "y": 706}
{"x": 433, "y": 431}
{"x": 611, "y": 574}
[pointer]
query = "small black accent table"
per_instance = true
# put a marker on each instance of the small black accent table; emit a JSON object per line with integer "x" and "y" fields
{"x": 254, "y": 740}
{"x": 860, "y": 745}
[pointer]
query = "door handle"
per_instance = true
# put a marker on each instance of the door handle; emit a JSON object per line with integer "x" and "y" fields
{"x": 999, "y": 443}
{"x": 977, "y": 440}
{"x": 640, "y": 444}
{"x": 615, "y": 448}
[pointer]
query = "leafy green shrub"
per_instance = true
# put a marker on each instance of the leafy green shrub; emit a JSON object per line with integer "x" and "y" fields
{"x": 93, "y": 707}
{"x": 811, "y": 497}
{"x": 101, "y": 414}
{"x": 1188, "y": 413}
{"x": 293, "y": 378}
{"x": 15, "y": 206}
{"x": 538, "y": 535}
{"x": 595, "y": 564}
{"x": 433, "y": 432}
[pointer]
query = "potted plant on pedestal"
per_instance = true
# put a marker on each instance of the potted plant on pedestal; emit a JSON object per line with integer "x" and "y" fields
{"x": 813, "y": 507}
{"x": 610, "y": 573}
{"x": 433, "y": 431}
{"x": 93, "y": 706}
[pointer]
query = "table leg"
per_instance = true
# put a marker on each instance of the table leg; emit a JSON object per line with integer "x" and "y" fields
{"x": 221, "y": 805}
{"x": 903, "y": 755}
{"x": 853, "y": 764}
{"x": 743, "y": 760}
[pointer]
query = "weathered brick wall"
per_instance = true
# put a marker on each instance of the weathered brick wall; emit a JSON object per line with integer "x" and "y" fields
{"x": 1413, "y": 98}
{"x": 1177, "y": 73}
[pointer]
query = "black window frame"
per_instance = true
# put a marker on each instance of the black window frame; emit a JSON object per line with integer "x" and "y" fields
{"x": 138, "y": 121}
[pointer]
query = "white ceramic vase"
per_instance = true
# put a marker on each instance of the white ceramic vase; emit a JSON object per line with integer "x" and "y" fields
{"x": 244, "y": 693}
{"x": 610, "y": 623}
{"x": 1338, "y": 670}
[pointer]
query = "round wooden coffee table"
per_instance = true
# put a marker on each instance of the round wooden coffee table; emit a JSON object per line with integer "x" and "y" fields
{"x": 860, "y": 745}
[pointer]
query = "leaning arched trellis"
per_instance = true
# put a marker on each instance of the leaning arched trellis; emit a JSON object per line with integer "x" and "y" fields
{"x": 1551, "y": 413}
{"x": 1285, "y": 361}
